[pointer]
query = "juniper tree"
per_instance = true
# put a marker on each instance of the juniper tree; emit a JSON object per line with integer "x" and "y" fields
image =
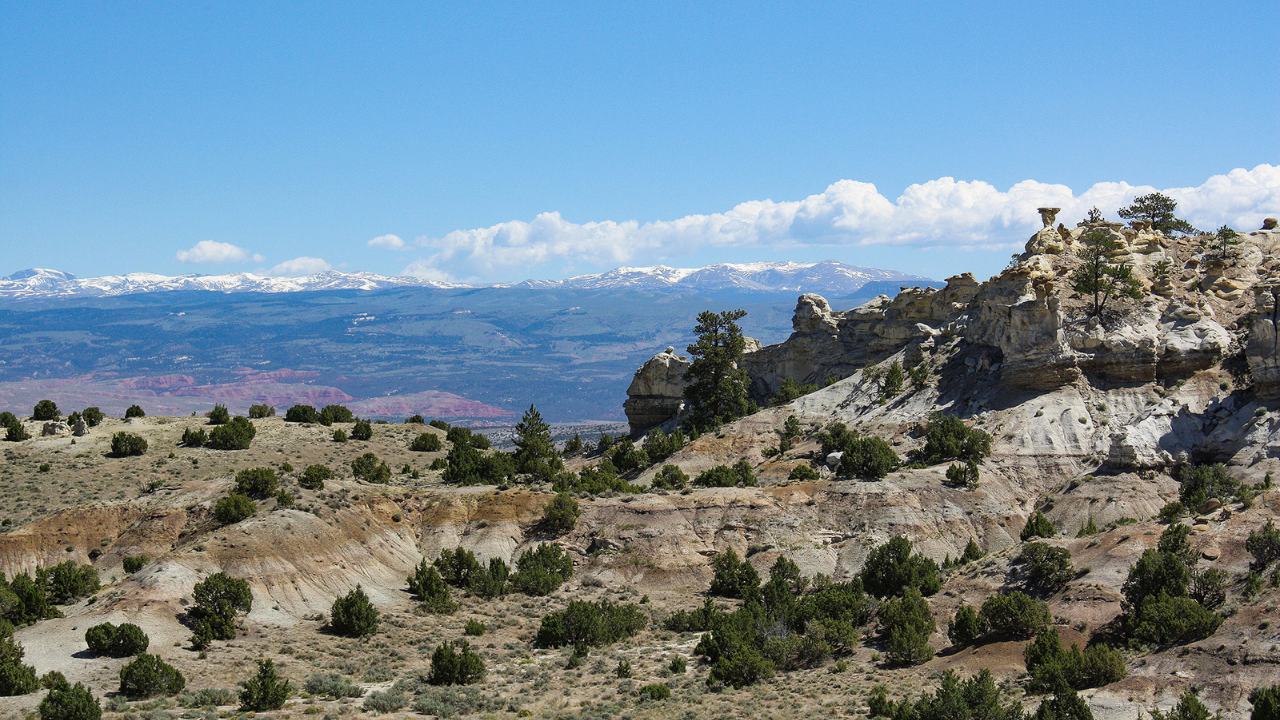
{"x": 1157, "y": 209}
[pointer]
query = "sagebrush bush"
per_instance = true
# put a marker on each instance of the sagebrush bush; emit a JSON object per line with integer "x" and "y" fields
{"x": 332, "y": 685}
{"x": 655, "y": 691}
{"x": 148, "y": 676}
{"x": 380, "y": 702}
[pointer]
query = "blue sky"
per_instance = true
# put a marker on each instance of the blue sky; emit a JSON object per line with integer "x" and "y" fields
{"x": 502, "y": 141}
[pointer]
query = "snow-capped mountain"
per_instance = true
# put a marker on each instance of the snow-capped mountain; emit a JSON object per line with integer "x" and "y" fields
{"x": 828, "y": 277}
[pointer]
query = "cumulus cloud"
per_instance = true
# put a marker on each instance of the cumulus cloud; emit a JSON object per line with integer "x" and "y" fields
{"x": 390, "y": 242}
{"x": 300, "y": 267}
{"x": 943, "y": 213}
{"x": 210, "y": 252}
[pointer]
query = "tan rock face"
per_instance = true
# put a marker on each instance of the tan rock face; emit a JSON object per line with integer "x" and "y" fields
{"x": 1263, "y": 350}
{"x": 656, "y": 393}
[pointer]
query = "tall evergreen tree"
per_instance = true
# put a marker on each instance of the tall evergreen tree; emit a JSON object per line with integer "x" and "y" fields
{"x": 717, "y": 390}
{"x": 1157, "y": 209}
{"x": 1101, "y": 278}
{"x": 535, "y": 450}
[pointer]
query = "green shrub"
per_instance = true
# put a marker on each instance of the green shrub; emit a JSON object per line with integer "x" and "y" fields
{"x": 353, "y": 615}
{"x": 976, "y": 697}
{"x": 1208, "y": 587}
{"x": 907, "y": 624}
{"x": 595, "y": 480}
{"x": 965, "y": 627}
{"x": 891, "y": 567}
{"x": 1037, "y": 526}
{"x": 542, "y": 570}
{"x": 194, "y": 437}
{"x": 584, "y": 625}
{"x": 1153, "y": 574}
{"x": 234, "y": 508}
{"x": 8, "y": 419}
{"x": 1165, "y": 620}
{"x": 869, "y": 457}
{"x": 789, "y": 390}
{"x": 257, "y": 412}
{"x": 475, "y": 628}
{"x": 655, "y": 691}
{"x": 216, "y": 600}
{"x": 733, "y": 578}
{"x": 237, "y": 434}
{"x": 963, "y": 475}
{"x": 560, "y": 515}
{"x": 677, "y": 666}
{"x": 257, "y": 483}
{"x": 339, "y": 435}
{"x": 1014, "y": 614}
{"x": 301, "y": 414}
{"x": 1264, "y": 545}
{"x": 65, "y": 582}
{"x": 972, "y": 551}
{"x": 1189, "y": 707}
{"x": 15, "y": 678}
{"x": 93, "y": 416}
{"x": 455, "y": 667}
{"x": 219, "y": 415}
{"x": 458, "y": 567}
{"x": 265, "y": 690}
{"x": 1050, "y": 665}
{"x": 1048, "y": 568}
{"x": 122, "y": 641}
{"x": 125, "y": 444}
{"x": 362, "y": 430}
{"x": 670, "y": 477}
{"x": 331, "y": 685}
{"x": 314, "y": 476}
{"x": 1266, "y": 703}
{"x": 134, "y": 563}
{"x": 431, "y": 589}
{"x": 133, "y": 411}
{"x": 367, "y": 467}
{"x": 331, "y": 414}
{"x": 1200, "y": 483}
{"x": 45, "y": 410}
{"x": 148, "y": 676}
{"x": 948, "y": 438}
{"x": 17, "y": 433}
{"x": 30, "y": 603}
{"x": 207, "y": 697}
{"x": 69, "y": 702}
{"x": 659, "y": 446}
{"x": 426, "y": 442}
{"x": 1065, "y": 704}
{"x": 1172, "y": 511}
{"x": 803, "y": 473}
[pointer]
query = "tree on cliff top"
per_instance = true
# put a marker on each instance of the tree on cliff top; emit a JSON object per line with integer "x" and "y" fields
{"x": 717, "y": 390}
{"x": 1157, "y": 209}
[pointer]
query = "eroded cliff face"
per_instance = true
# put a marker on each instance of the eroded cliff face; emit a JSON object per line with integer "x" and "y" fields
{"x": 1197, "y": 308}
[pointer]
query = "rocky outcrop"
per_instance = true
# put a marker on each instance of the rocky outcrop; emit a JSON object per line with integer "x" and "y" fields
{"x": 656, "y": 393}
{"x": 1263, "y": 350}
{"x": 54, "y": 429}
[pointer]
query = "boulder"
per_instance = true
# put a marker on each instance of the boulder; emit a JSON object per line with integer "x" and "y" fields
{"x": 54, "y": 429}
{"x": 80, "y": 428}
{"x": 656, "y": 394}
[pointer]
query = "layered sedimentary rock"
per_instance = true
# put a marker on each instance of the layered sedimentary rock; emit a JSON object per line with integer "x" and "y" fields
{"x": 1032, "y": 321}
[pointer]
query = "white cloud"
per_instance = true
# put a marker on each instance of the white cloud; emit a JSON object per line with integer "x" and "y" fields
{"x": 943, "y": 213}
{"x": 211, "y": 253}
{"x": 390, "y": 242}
{"x": 300, "y": 267}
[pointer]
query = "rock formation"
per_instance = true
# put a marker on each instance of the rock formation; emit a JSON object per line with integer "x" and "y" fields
{"x": 54, "y": 429}
{"x": 1030, "y": 323}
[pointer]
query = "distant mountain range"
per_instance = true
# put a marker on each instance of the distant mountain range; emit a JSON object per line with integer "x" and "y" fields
{"x": 829, "y": 277}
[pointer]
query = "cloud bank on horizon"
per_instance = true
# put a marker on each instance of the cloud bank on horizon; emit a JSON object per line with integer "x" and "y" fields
{"x": 939, "y": 214}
